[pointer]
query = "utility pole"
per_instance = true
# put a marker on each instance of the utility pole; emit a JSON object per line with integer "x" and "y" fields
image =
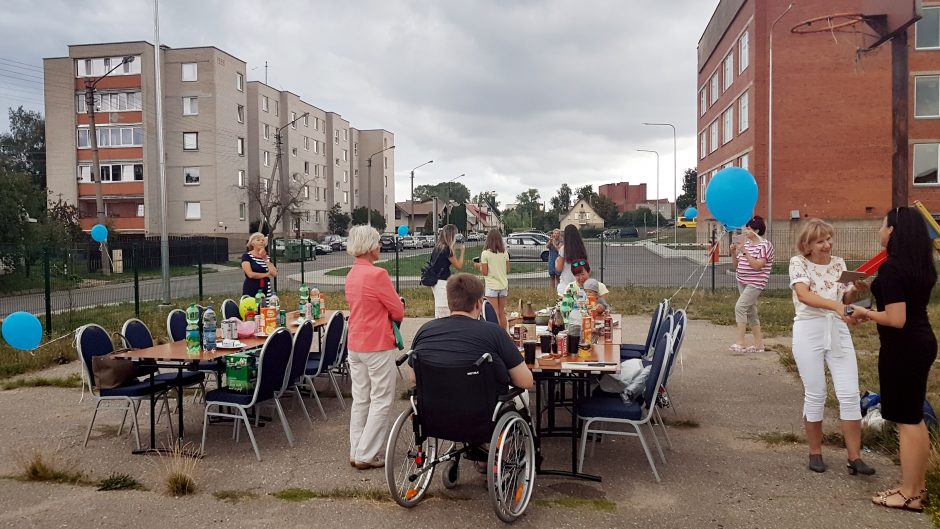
{"x": 411, "y": 221}
{"x": 96, "y": 166}
{"x": 161, "y": 154}
{"x": 369, "y": 186}
{"x": 283, "y": 188}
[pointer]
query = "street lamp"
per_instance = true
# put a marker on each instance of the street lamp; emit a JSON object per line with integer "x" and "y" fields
{"x": 411, "y": 221}
{"x": 657, "y": 186}
{"x": 279, "y": 170}
{"x": 770, "y": 123}
{"x": 675, "y": 177}
{"x": 369, "y": 186}
{"x": 96, "y": 167}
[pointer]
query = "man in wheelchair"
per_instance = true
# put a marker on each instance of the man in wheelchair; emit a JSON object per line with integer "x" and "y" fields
{"x": 463, "y": 407}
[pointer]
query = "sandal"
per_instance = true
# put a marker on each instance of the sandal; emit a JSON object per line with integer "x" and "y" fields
{"x": 882, "y": 500}
{"x": 735, "y": 348}
{"x": 754, "y": 349}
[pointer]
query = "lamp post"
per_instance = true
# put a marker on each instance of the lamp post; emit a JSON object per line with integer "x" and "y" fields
{"x": 411, "y": 221}
{"x": 279, "y": 171}
{"x": 657, "y": 186}
{"x": 770, "y": 122}
{"x": 96, "y": 166}
{"x": 675, "y": 177}
{"x": 369, "y": 186}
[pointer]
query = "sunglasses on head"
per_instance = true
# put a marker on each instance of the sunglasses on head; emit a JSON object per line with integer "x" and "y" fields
{"x": 578, "y": 263}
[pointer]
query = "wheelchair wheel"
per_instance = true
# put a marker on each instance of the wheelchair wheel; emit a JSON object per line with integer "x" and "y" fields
{"x": 510, "y": 475}
{"x": 451, "y": 474}
{"x": 408, "y": 470}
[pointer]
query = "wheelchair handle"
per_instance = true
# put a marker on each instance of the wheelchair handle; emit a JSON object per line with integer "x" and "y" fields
{"x": 401, "y": 359}
{"x": 487, "y": 357}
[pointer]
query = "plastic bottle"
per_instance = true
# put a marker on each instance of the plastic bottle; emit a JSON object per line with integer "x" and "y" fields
{"x": 208, "y": 329}
{"x": 315, "y": 304}
{"x": 274, "y": 302}
{"x": 259, "y": 299}
{"x": 304, "y": 299}
{"x": 192, "y": 330}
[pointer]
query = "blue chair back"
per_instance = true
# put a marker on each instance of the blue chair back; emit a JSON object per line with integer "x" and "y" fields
{"x": 176, "y": 325}
{"x": 92, "y": 340}
{"x": 333, "y": 342}
{"x": 303, "y": 339}
{"x": 660, "y": 355}
{"x": 136, "y": 334}
{"x": 275, "y": 356}
{"x": 658, "y": 316}
{"x": 489, "y": 313}
{"x": 680, "y": 324}
{"x": 230, "y": 310}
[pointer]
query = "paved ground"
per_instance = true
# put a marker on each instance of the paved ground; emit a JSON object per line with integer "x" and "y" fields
{"x": 717, "y": 476}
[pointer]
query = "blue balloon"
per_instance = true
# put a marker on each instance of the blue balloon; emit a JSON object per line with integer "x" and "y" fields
{"x": 22, "y": 331}
{"x": 731, "y": 196}
{"x": 99, "y": 233}
{"x": 402, "y": 230}
{"x": 690, "y": 213}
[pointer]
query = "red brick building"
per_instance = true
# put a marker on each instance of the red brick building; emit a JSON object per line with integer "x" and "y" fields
{"x": 624, "y": 194}
{"x": 832, "y": 140}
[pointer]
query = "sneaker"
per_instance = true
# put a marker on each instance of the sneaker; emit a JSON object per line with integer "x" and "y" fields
{"x": 376, "y": 462}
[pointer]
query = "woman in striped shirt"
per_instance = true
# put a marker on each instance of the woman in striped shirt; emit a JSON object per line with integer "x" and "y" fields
{"x": 753, "y": 259}
{"x": 257, "y": 267}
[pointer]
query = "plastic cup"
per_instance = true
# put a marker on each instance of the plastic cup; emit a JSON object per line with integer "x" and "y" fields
{"x": 529, "y": 347}
{"x": 545, "y": 341}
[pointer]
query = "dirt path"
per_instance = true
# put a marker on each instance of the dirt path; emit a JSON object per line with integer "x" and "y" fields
{"x": 717, "y": 475}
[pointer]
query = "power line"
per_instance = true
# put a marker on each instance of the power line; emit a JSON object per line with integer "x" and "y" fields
{"x": 21, "y": 63}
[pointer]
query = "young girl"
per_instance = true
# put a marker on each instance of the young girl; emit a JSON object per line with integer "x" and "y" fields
{"x": 494, "y": 265}
{"x": 443, "y": 257}
{"x": 570, "y": 251}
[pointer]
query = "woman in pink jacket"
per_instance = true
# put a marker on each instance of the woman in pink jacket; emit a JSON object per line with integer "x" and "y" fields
{"x": 373, "y": 306}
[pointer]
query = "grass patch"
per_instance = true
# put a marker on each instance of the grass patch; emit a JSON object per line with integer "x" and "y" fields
{"x": 578, "y": 503}
{"x": 36, "y": 465}
{"x": 234, "y": 496}
{"x": 299, "y": 494}
{"x": 779, "y": 438}
{"x": 18, "y": 282}
{"x": 785, "y": 355}
{"x": 120, "y": 482}
{"x": 411, "y": 265}
{"x": 180, "y": 467}
{"x": 681, "y": 423}
{"x": 72, "y": 381}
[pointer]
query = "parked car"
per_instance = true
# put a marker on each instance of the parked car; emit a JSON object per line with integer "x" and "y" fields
{"x": 620, "y": 233}
{"x": 279, "y": 247}
{"x": 412, "y": 242}
{"x": 387, "y": 243}
{"x": 526, "y": 246}
{"x": 428, "y": 241}
{"x": 683, "y": 222}
{"x": 541, "y": 237}
{"x": 334, "y": 241}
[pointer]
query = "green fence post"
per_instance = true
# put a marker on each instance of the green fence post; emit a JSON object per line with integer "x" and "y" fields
{"x": 712, "y": 250}
{"x": 199, "y": 260}
{"x": 397, "y": 272}
{"x": 136, "y": 281}
{"x": 303, "y": 257}
{"x": 273, "y": 257}
{"x": 48, "y": 283}
{"x": 603, "y": 245}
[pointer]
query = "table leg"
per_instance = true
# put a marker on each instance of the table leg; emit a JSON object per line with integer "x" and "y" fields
{"x": 538, "y": 425}
{"x": 179, "y": 405}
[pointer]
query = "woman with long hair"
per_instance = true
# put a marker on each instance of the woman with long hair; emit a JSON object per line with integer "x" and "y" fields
{"x": 821, "y": 338}
{"x": 571, "y": 249}
{"x": 494, "y": 265}
{"x": 442, "y": 258}
{"x": 908, "y": 347}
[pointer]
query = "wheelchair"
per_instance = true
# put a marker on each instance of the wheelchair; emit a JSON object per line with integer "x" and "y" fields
{"x": 454, "y": 412}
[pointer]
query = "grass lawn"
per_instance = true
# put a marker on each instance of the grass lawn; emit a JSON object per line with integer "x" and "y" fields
{"x": 411, "y": 266}
{"x": 18, "y": 282}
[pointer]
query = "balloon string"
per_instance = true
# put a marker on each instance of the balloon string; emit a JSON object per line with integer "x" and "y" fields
{"x": 708, "y": 258}
{"x": 40, "y": 346}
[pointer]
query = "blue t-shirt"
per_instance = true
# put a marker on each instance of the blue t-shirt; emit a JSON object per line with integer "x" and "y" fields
{"x": 552, "y": 257}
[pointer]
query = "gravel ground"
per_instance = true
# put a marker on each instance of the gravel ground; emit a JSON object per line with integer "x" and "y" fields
{"x": 717, "y": 475}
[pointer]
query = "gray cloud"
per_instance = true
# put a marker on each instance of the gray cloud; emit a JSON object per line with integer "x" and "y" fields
{"x": 516, "y": 94}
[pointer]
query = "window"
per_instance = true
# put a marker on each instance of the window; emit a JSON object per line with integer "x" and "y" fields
{"x": 266, "y": 131}
{"x": 306, "y": 143}
{"x": 713, "y": 87}
{"x": 83, "y": 138}
{"x": 110, "y": 102}
{"x": 264, "y": 186}
{"x": 189, "y": 72}
{"x": 728, "y": 71}
{"x": 316, "y": 170}
{"x": 267, "y": 159}
{"x": 336, "y": 137}
{"x": 702, "y": 102}
{"x": 925, "y": 163}
{"x": 240, "y": 113}
{"x": 293, "y": 122}
{"x": 241, "y": 178}
{"x": 193, "y": 210}
{"x": 306, "y": 120}
{"x": 191, "y": 176}
{"x": 315, "y": 143}
{"x": 111, "y": 137}
{"x": 386, "y": 181}
{"x": 928, "y": 29}
{"x": 345, "y": 176}
{"x": 337, "y": 161}
{"x": 190, "y": 106}
{"x": 293, "y": 152}
{"x": 318, "y": 216}
{"x": 386, "y": 162}
{"x": 742, "y": 113}
{"x": 306, "y": 168}
{"x": 702, "y": 145}
{"x": 190, "y": 141}
{"x": 100, "y": 66}
{"x": 242, "y": 210}
{"x": 345, "y": 155}
{"x": 239, "y": 82}
{"x": 240, "y": 146}
{"x": 306, "y": 191}
{"x": 927, "y": 96}
{"x": 713, "y": 132}
{"x": 704, "y": 186}
{"x": 264, "y": 103}
{"x": 275, "y": 108}
{"x": 140, "y": 210}
{"x": 745, "y": 161}
{"x": 345, "y": 197}
{"x": 316, "y": 123}
{"x": 727, "y": 125}
{"x": 345, "y": 134}
{"x": 316, "y": 191}
{"x": 743, "y": 52}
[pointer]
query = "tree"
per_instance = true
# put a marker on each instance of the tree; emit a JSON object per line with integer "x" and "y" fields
{"x": 444, "y": 191}
{"x": 529, "y": 201}
{"x": 689, "y": 196}
{"x": 275, "y": 200}
{"x": 606, "y": 208}
{"x": 359, "y": 218}
{"x": 338, "y": 221}
{"x": 487, "y": 198}
{"x": 586, "y": 193}
{"x": 23, "y": 149}
{"x": 561, "y": 202}
{"x": 21, "y": 204}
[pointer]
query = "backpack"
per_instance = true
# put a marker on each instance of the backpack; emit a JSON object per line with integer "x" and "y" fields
{"x": 430, "y": 272}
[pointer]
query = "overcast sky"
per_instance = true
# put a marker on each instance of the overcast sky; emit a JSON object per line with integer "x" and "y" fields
{"x": 514, "y": 93}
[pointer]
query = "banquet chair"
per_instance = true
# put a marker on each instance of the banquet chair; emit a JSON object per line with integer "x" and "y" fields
{"x": 272, "y": 364}
{"x": 136, "y": 335}
{"x": 321, "y": 365}
{"x": 300, "y": 351}
{"x": 645, "y": 350}
{"x": 230, "y": 309}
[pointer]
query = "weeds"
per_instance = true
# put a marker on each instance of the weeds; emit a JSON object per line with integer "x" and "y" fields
{"x": 180, "y": 471}
{"x": 681, "y": 423}
{"x": 778, "y": 438}
{"x": 234, "y": 496}
{"x": 35, "y": 465}
{"x": 72, "y": 381}
{"x": 298, "y": 494}
{"x": 120, "y": 482}
{"x": 578, "y": 503}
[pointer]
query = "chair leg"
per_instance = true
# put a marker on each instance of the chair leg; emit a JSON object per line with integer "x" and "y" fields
{"x": 169, "y": 416}
{"x": 134, "y": 424}
{"x": 659, "y": 419}
{"x": 280, "y": 414}
{"x": 313, "y": 393}
{"x": 303, "y": 406}
{"x": 659, "y": 448}
{"x": 339, "y": 394}
{"x": 646, "y": 449}
{"x": 92, "y": 423}
{"x": 251, "y": 435}
{"x": 123, "y": 420}
{"x": 584, "y": 433}
{"x": 205, "y": 425}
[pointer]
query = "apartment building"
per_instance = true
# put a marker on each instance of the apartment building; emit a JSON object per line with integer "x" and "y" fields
{"x": 375, "y": 145}
{"x": 624, "y": 194}
{"x": 831, "y": 111}
{"x": 219, "y": 134}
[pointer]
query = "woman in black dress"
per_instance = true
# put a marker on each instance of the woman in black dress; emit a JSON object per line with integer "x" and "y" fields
{"x": 257, "y": 267}
{"x": 908, "y": 346}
